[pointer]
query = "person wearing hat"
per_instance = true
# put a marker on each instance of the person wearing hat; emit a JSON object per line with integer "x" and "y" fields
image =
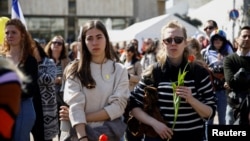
{"x": 214, "y": 55}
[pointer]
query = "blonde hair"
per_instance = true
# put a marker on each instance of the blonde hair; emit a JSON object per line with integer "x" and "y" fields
{"x": 162, "y": 55}
{"x": 64, "y": 52}
{"x": 73, "y": 44}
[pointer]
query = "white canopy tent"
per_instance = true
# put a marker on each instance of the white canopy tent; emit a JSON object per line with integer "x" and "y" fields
{"x": 150, "y": 28}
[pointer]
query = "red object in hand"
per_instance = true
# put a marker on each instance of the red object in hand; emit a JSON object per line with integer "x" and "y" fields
{"x": 103, "y": 137}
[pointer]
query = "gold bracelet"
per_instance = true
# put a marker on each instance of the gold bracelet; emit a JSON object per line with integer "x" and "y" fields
{"x": 82, "y": 138}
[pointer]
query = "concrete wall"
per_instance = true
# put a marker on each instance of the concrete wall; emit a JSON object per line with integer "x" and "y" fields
{"x": 43, "y": 7}
{"x": 120, "y": 8}
{"x": 104, "y": 7}
{"x": 145, "y": 9}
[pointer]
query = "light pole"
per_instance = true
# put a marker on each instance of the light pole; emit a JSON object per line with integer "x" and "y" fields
{"x": 233, "y": 22}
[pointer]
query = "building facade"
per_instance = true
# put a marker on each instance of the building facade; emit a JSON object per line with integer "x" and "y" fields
{"x": 47, "y": 18}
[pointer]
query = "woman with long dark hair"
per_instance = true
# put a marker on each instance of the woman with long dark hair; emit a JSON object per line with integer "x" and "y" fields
{"x": 96, "y": 87}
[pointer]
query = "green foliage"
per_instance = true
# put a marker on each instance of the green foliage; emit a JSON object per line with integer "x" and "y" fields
{"x": 195, "y": 22}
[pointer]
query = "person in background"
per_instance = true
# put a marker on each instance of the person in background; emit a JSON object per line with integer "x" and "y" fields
{"x": 136, "y": 44}
{"x": 214, "y": 56}
{"x": 56, "y": 50}
{"x": 42, "y": 43}
{"x": 11, "y": 80}
{"x": 147, "y": 43}
{"x": 46, "y": 82}
{"x": 18, "y": 47}
{"x": 232, "y": 64}
{"x": 201, "y": 38}
{"x": 96, "y": 87}
{"x": 74, "y": 50}
{"x": 195, "y": 48}
{"x": 134, "y": 75}
{"x": 209, "y": 27}
{"x": 133, "y": 66}
{"x": 116, "y": 48}
{"x": 197, "y": 101}
{"x": 123, "y": 53}
{"x": 149, "y": 55}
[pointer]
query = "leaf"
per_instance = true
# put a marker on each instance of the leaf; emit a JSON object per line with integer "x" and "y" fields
{"x": 180, "y": 82}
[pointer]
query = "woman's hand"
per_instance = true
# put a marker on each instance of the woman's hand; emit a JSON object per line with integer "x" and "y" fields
{"x": 184, "y": 92}
{"x": 163, "y": 130}
{"x": 64, "y": 113}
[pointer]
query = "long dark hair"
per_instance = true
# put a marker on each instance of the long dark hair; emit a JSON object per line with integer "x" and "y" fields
{"x": 81, "y": 68}
{"x": 131, "y": 47}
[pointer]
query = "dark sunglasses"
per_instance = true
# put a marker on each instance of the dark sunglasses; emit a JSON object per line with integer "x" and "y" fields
{"x": 245, "y": 36}
{"x": 58, "y": 43}
{"x": 176, "y": 39}
{"x": 209, "y": 27}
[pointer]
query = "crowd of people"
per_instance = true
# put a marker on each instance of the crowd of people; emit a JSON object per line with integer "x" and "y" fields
{"x": 97, "y": 87}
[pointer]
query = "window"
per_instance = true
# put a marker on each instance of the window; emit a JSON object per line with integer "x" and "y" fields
{"x": 45, "y": 28}
{"x": 4, "y": 7}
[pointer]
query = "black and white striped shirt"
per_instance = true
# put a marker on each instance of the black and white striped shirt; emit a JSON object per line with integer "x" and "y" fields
{"x": 197, "y": 79}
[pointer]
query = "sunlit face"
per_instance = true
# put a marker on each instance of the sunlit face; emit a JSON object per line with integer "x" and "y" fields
{"x": 96, "y": 42}
{"x": 13, "y": 35}
{"x": 209, "y": 28}
{"x": 174, "y": 49}
{"x": 244, "y": 39}
{"x": 57, "y": 44}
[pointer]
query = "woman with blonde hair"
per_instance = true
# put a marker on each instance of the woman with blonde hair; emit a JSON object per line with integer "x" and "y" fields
{"x": 195, "y": 94}
{"x": 56, "y": 50}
